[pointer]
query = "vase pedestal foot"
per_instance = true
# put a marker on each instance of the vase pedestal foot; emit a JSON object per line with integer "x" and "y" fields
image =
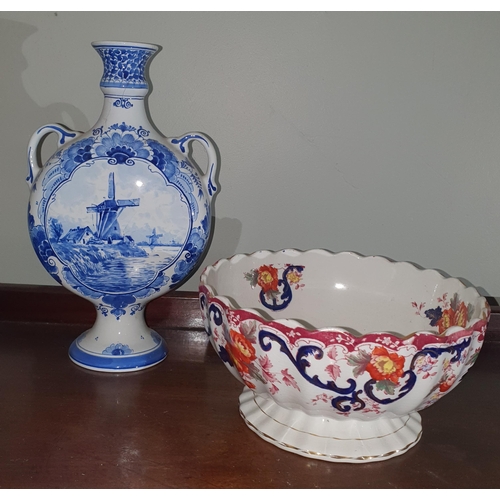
{"x": 349, "y": 440}
{"x": 113, "y": 345}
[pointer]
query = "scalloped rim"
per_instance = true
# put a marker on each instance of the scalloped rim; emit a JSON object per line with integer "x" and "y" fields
{"x": 290, "y": 323}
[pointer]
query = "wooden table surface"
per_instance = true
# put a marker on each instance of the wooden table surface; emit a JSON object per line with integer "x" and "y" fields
{"x": 176, "y": 425}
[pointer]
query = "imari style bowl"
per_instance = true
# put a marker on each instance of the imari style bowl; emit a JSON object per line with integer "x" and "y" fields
{"x": 339, "y": 352}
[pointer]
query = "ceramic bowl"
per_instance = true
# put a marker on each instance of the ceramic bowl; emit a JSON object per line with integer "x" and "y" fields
{"x": 338, "y": 351}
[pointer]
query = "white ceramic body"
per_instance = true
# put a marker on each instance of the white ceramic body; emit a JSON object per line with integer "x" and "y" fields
{"x": 339, "y": 352}
{"x": 118, "y": 214}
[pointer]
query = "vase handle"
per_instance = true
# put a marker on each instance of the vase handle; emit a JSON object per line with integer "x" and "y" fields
{"x": 210, "y": 177}
{"x": 64, "y": 134}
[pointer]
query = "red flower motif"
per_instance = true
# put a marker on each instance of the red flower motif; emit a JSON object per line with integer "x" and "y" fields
{"x": 267, "y": 278}
{"x": 385, "y": 365}
{"x": 241, "y": 351}
{"x": 447, "y": 384}
{"x": 249, "y": 384}
{"x": 452, "y": 317}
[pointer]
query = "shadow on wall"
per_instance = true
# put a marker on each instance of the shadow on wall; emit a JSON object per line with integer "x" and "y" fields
{"x": 224, "y": 241}
{"x": 226, "y": 232}
{"x": 22, "y": 111}
{"x": 21, "y": 117}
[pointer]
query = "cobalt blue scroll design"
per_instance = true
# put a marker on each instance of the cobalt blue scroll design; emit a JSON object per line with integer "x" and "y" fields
{"x": 283, "y": 296}
{"x": 434, "y": 352}
{"x": 276, "y": 293}
{"x": 213, "y": 311}
{"x": 203, "y": 303}
{"x": 186, "y": 138}
{"x": 214, "y": 314}
{"x": 407, "y": 387}
{"x": 211, "y": 186}
{"x": 63, "y": 134}
{"x": 123, "y": 102}
{"x": 349, "y": 397}
{"x": 301, "y": 362}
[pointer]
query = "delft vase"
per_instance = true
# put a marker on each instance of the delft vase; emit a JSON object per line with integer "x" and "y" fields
{"x": 118, "y": 215}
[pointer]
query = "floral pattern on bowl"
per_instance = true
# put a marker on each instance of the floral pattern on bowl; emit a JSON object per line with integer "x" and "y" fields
{"x": 448, "y": 313}
{"x": 276, "y": 293}
{"x": 378, "y": 380}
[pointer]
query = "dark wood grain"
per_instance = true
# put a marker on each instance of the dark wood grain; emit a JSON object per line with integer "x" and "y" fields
{"x": 175, "y": 310}
{"x": 55, "y": 304}
{"x": 176, "y": 425}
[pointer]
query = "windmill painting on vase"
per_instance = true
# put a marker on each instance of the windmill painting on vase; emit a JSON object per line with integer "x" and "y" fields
{"x": 114, "y": 222}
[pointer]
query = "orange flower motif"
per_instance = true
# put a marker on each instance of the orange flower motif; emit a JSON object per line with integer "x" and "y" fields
{"x": 241, "y": 351}
{"x": 461, "y": 315}
{"x": 447, "y": 384}
{"x": 268, "y": 278}
{"x": 385, "y": 365}
{"x": 294, "y": 277}
{"x": 453, "y": 318}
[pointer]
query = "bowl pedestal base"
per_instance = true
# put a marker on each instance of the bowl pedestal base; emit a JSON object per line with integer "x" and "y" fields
{"x": 350, "y": 440}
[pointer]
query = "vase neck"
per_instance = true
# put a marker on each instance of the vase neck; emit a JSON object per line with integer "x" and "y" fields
{"x": 124, "y": 82}
{"x": 125, "y": 66}
{"x": 121, "y": 108}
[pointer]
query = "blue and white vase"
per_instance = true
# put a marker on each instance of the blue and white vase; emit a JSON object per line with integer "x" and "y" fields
{"x": 118, "y": 215}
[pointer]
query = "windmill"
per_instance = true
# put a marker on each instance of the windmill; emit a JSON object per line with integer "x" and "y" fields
{"x": 154, "y": 238}
{"x": 108, "y": 212}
